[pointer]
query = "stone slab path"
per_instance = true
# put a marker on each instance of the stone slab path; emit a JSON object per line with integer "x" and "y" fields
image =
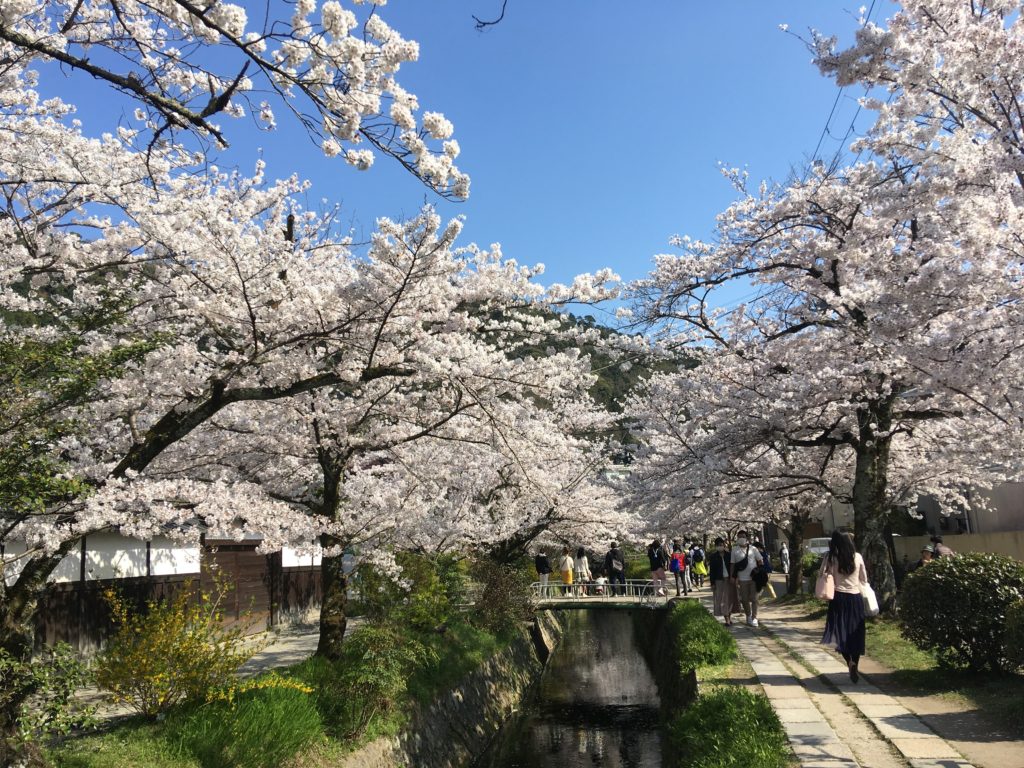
{"x": 830, "y": 721}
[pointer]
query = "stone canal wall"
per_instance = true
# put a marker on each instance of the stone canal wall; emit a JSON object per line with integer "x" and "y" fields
{"x": 459, "y": 725}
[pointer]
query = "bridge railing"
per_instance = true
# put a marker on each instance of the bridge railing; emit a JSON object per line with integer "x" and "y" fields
{"x": 634, "y": 589}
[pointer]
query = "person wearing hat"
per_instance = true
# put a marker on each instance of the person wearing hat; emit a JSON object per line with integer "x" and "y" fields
{"x": 927, "y": 552}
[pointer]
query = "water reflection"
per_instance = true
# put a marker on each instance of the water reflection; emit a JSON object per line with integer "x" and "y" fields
{"x": 597, "y": 704}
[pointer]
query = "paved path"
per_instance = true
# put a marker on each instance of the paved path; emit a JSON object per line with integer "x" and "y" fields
{"x": 830, "y": 721}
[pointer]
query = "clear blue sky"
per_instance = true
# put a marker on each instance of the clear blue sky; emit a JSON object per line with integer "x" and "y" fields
{"x": 592, "y": 130}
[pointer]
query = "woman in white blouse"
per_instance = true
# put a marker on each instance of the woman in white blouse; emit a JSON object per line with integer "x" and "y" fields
{"x": 844, "y": 624}
{"x": 581, "y": 566}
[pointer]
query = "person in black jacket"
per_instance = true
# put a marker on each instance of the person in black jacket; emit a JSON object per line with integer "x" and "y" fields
{"x": 615, "y": 567}
{"x": 540, "y": 562}
{"x": 718, "y": 575}
{"x": 656, "y": 554}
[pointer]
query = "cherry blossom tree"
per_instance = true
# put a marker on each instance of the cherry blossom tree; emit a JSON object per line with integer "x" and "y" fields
{"x": 203, "y": 306}
{"x": 183, "y": 65}
{"x": 888, "y": 321}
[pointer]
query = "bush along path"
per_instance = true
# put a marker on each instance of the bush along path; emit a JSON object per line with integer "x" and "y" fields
{"x": 830, "y": 722}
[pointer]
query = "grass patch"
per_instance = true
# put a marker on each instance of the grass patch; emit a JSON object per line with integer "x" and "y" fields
{"x": 815, "y": 608}
{"x": 700, "y": 641}
{"x": 130, "y": 745}
{"x": 729, "y": 728}
{"x": 459, "y": 651}
{"x": 998, "y": 695}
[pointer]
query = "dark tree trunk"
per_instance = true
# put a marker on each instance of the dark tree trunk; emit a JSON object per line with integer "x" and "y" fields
{"x": 795, "y": 537}
{"x": 869, "y": 499}
{"x": 18, "y": 604}
{"x": 332, "y": 610}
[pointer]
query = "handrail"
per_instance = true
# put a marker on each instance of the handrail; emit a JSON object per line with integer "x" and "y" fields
{"x": 642, "y": 590}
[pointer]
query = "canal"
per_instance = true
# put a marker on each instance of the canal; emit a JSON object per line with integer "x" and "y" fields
{"x": 597, "y": 703}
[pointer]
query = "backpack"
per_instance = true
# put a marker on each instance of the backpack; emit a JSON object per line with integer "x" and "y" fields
{"x": 677, "y": 563}
{"x": 698, "y": 555}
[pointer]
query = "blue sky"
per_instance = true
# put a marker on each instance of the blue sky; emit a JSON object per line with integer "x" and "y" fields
{"x": 592, "y": 130}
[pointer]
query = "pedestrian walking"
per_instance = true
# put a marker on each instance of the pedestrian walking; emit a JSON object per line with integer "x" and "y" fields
{"x": 658, "y": 561}
{"x": 677, "y": 565}
{"x": 718, "y": 574}
{"x": 615, "y": 567}
{"x": 745, "y": 558}
{"x": 698, "y": 567}
{"x": 844, "y": 624}
{"x": 565, "y": 567}
{"x": 581, "y": 567}
{"x": 768, "y": 588}
{"x": 927, "y": 555}
{"x": 941, "y": 550}
{"x": 784, "y": 557}
{"x": 540, "y": 562}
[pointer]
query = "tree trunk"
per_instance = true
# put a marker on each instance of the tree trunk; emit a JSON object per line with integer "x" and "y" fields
{"x": 332, "y": 608}
{"x": 18, "y": 604}
{"x": 869, "y": 500}
{"x": 795, "y": 537}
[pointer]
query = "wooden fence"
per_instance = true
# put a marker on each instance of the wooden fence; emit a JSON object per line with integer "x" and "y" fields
{"x": 260, "y": 592}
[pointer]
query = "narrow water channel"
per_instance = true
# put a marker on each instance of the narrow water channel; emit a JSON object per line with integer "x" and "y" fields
{"x": 597, "y": 703}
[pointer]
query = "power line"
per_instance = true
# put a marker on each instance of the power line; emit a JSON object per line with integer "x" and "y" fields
{"x": 839, "y": 95}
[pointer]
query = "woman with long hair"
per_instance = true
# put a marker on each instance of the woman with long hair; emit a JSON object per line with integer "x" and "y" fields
{"x": 844, "y": 625}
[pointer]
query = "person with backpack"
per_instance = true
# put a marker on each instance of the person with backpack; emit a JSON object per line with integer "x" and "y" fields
{"x": 658, "y": 560}
{"x": 615, "y": 567}
{"x": 677, "y": 565}
{"x": 745, "y": 558}
{"x": 698, "y": 565}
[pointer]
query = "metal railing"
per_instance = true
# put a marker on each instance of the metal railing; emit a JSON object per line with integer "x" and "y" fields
{"x": 641, "y": 590}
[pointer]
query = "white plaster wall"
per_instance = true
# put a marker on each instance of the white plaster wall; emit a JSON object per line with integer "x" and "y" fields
{"x": 112, "y": 556}
{"x": 291, "y": 558}
{"x": 168, "y": 558}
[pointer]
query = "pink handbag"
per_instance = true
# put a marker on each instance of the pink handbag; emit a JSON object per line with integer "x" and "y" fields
{"x": 825, "y": 587}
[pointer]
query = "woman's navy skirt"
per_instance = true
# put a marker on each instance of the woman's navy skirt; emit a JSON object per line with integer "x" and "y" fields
{"x": 844, "y": 625}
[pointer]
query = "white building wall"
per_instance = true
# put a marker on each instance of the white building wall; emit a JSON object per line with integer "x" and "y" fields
{"x": 291, "y": 558}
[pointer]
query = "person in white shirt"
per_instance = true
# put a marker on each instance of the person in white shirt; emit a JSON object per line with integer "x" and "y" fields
{"x": 581, "y": 567}
{"x": 844, "y": 624}
{"x": 742, "y": 563}
{"x": 565, "y": 568}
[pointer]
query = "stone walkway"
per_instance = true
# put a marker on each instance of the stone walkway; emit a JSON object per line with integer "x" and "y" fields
{"x": 834, "y": 723}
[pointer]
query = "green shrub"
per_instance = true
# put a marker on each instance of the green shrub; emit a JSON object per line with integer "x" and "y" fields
{"x": 49, "y": 682}
{"x": 729, "y": 728}
{"x": 700, "y": 640}
{"x": 810, "y": 564}
{"x": 504, "y": 599}
{"x": 178, "y": 650}
{"x": 423, "y": 594}
{"x": 957, "y": 608}
{"x": 369, "y": 682}
{"x": 1013, "y": 640}
{"x": 266, "y": 723}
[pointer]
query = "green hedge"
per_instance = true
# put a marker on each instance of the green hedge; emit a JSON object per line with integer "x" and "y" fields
{"x": 1014, "y": 638}
{"x": 728, "y": 728}
{"x": 957, "y": 608}
{"x": 700, "y": 640}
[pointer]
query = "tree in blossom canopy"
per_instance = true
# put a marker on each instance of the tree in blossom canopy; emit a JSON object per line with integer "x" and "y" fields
{"x": 190, "y": 350}
{"x": 887, "y": 324}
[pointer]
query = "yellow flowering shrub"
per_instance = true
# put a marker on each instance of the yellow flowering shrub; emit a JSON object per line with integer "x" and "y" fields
{"x": 177, "y": 650}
